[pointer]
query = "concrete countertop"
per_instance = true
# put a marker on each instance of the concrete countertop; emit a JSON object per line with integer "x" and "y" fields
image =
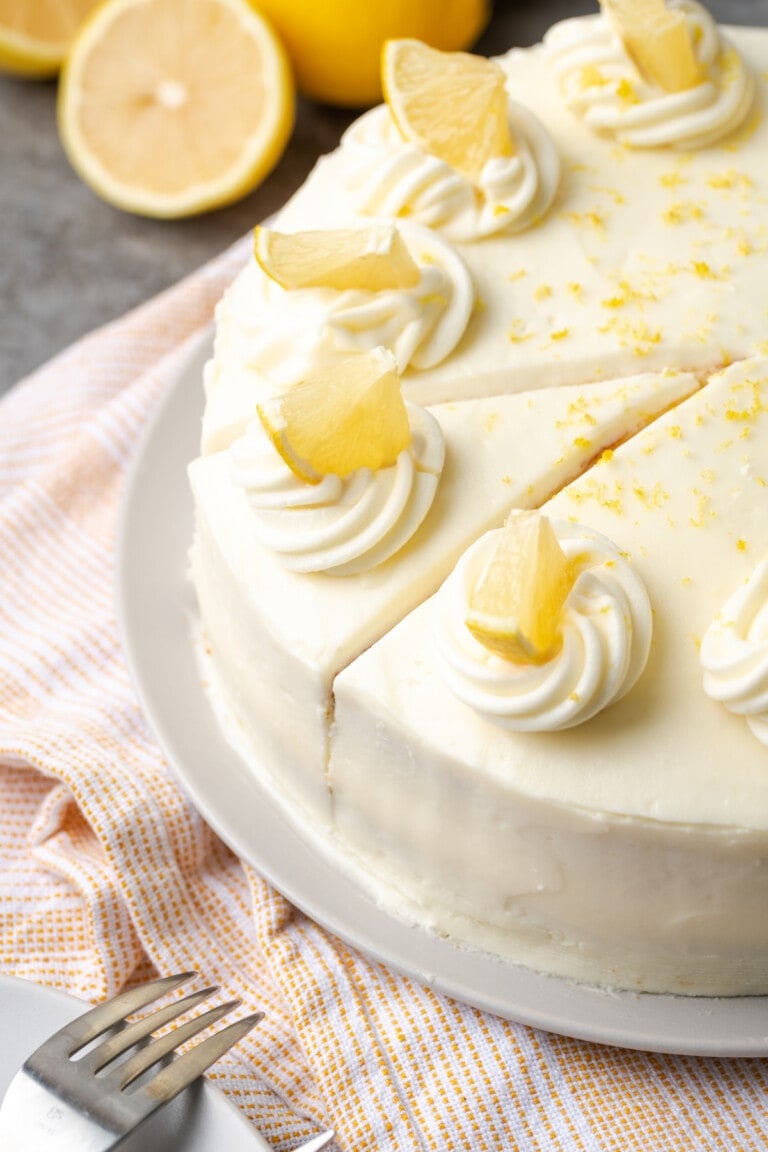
{"x": 70, "y": 262}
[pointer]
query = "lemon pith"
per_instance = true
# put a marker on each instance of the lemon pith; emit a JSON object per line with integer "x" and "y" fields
{"x": 516, "y": 605}
{"x": 466, "y": 131}
{"x": 350, "y": 415}
{"x": 168, "y": 109}
{"x": 658, "y": 41}
{"x": 372, "y": 258}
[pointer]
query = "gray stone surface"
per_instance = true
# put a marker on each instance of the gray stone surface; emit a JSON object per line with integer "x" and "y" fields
{"x": 69, "y": 262}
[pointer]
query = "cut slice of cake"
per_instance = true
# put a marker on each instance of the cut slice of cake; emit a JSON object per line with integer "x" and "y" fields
{"x": 646, "y": 259}
{"x": 632, "y": 849}
{"x": 277, "y": 638}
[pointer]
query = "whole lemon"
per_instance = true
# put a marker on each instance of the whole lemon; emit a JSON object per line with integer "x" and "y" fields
{"x": 335, "y": 45}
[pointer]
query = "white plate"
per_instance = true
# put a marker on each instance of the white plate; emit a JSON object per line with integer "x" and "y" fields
{"x": 198, "y": 1120}
{"x": 156, "y": 606}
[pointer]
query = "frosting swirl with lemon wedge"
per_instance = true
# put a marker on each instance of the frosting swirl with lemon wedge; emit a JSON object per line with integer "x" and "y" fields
{"x": 481, "y": 165}
{"x": 701, "y": 90}
{"x": 340, "y": 472}
{"x": 604, "y": 640}
{"x": 734, "y": 653}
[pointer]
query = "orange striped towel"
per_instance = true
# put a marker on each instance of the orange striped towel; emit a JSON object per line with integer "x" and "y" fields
{"x": 107, "y": 873}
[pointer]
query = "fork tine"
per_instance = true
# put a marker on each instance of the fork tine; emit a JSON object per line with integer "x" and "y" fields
{"x": 171, "y": 1080}
{"x": 134, "y": 1033}
{"x": 91, "y": 1024}
{"x": 136, "y": 1065}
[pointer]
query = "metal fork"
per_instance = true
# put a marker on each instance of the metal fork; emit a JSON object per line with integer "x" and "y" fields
{"x": 60, "y": 1102}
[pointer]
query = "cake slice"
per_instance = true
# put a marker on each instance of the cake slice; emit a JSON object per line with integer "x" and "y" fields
{"x": 631, "y": 849}
{"x": 646, "y": 259}
{"x": 277, "y": 638}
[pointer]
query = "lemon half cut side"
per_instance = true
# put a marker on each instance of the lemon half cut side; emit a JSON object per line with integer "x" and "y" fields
{"x": 35, "y": 35}
{"x": 373, "y": 258}
{"x": 516, "y": 605}
{"x": 347, "y": 416}
{"x": 168, "y": 108}
{"x": 451, "y": 104}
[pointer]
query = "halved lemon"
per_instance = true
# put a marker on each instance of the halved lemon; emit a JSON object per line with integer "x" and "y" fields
{"x": 347, "y": 416}
{"x": 35, "y": 35}
{"x": 371, "y": 258}
{"x": 515, "y": 608}
{"x": 658, "y": 40}
{"x": 452, "y": 104}
{"x": 172, "y": 107}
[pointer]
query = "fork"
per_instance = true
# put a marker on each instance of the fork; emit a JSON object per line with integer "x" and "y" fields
{"x": 58, "y": 1102}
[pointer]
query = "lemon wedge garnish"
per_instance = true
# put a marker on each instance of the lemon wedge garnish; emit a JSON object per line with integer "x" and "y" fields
{"x": 347, "y": 416}
{"x": 515, "y": 607}
{"x": 35, "y": 34}
{"x": 452, "y": 104}
{"x": 172, "y": 107}
{"x": 369, "y": 258}
{"x": 658, "y": 41}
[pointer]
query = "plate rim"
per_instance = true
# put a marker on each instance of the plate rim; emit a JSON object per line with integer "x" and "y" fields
{"x": 681, "y": 1025}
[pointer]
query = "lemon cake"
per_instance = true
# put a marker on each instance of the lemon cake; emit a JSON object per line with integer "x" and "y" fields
{"x": 557, "y": 755}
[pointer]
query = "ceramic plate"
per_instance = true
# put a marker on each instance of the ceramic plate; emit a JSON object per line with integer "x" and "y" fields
{"x": 200, "y": 1119}
{"x": 156, "y": 607}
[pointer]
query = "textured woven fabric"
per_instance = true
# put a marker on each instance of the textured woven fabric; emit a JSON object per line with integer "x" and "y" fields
{"x": 108, "y": 875}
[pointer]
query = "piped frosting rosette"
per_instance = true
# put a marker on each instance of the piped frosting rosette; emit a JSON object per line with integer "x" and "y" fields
{"x": 606, "y": 635}
{"x": 390, "y": 177}
{"x": 734, "y": 653}
{"x": 602, "y": 85}
{"x": 287, "y": 333}
{"x": 339, "y": 526}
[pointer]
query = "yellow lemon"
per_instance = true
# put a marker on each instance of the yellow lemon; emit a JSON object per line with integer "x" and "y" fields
{"x": 173, "y": 107}
{"x": 35, "y": 35}
{"x": 335, "y": 45}
{"x": 467, "y": 129}
{"x": 515, "y": 607}
{"x": 658, "y": 41}
{"x": 371, "y": 258}
{"x": 348, "y": 416}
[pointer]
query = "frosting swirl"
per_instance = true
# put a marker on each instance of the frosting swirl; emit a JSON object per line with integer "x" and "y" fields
{"x": 391, "y": 177}
{"x": 286, "y": 334}
{"x": 606, "y": 637}
{"x": 339, "y": 526}
{"x": 734, "y": 653}
{"x": 601, "y": 84}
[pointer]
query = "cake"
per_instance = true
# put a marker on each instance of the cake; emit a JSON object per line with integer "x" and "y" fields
{"x": 583, "y": 333}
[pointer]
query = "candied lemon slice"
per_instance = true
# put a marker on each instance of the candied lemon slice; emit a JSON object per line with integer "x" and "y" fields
{"x": 370, "y": 258}
{"x": 347, "y": 416}
{"x": 515, "y": 607}
{"x": 35, "y": 34}
{"x": 452, "y": 104}
{"x": 658, "y": 41}
{"x": 168, "y": 108}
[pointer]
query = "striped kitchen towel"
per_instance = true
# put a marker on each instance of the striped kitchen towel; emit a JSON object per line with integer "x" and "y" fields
{"x": 107, "y": 873}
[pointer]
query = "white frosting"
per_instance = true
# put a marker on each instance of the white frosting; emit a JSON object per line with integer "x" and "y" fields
{"x": 734, "y": 653}
{"x": 289, "y": 333}
{"x": 339, "y": 526}
{"x": 622, "y": 104}
{"x": 606, "y": 637}
{"x": 388, "y": 176}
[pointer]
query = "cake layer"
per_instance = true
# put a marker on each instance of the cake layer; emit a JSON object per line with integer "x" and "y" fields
{"x": 277, "y": 638}
{"x": 647, "y": 258}
{"x": 632, "y": 849}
